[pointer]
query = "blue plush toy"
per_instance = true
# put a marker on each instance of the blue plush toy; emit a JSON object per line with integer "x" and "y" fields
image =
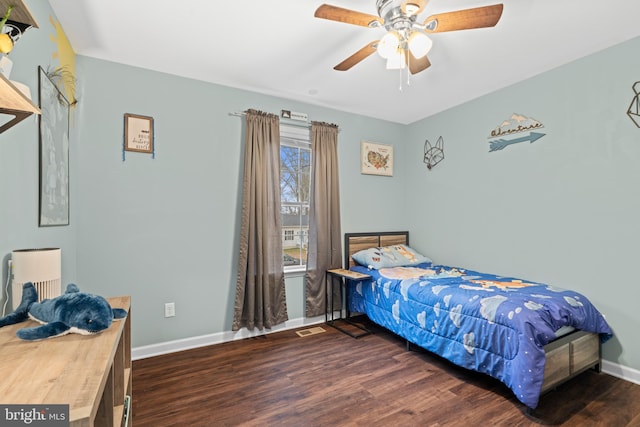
{"x": 72, "y": 312}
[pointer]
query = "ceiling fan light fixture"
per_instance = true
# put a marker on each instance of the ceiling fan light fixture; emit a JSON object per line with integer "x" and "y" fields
{"x": 389, "y": 45}
{"x": 405, "y": 45}
{"x": 419, "y": 44}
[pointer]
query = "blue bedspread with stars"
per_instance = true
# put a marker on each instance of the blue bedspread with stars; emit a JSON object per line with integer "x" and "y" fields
{"x": 491, "y": 324}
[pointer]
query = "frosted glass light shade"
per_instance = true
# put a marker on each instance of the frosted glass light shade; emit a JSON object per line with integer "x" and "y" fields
{"x": 419, "y": 44}
{"x": 388, "y": 45}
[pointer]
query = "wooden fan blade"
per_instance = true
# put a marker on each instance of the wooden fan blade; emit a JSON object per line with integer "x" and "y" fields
{"x": 417, "y": 64}
{"x": 479, "y": 17}
{"x": 419, "y": 4}
{"x": 335, "y": 13}
{"x": 357, "y": 57}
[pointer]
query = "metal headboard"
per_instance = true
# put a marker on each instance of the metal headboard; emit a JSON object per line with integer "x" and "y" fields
{"x": 354, "y": 242}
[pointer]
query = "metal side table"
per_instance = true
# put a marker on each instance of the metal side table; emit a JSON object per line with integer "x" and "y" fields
{"x": 344, "y": 276}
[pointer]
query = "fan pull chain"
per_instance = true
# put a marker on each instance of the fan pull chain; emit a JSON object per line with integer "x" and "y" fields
{"x": 408, "y": 67}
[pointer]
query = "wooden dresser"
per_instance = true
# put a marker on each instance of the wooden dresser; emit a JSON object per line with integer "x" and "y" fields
{"x": 90, "y": 373}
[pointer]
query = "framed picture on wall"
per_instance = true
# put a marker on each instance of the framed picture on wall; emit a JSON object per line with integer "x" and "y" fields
{"x": 376, "y": 159}
{"x": 54, "y": 153}
{"x": 138, "y": 133}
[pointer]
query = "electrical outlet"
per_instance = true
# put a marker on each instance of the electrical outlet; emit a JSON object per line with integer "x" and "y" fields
{"x": 170, "y": 309}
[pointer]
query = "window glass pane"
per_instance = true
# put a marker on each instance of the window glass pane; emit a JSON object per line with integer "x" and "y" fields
{"x": 295, "y": 186}
{"x": 305, "y": 175}
{"x": 304, "y": 219}
{"x": 289, "y": 173}
{"x": 294, "y": 235}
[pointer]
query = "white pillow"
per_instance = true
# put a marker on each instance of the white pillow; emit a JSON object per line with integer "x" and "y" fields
{"x": 389, "y": 256}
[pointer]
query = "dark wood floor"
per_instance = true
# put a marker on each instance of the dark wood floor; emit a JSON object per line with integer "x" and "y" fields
{"x": 331, "y": 379}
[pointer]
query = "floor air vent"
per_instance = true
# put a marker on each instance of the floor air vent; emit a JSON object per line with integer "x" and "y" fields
{"x": 310, "y": 331}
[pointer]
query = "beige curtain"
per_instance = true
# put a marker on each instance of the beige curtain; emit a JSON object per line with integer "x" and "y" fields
{"x": 325, "y": 247}
{"x": 260, "y": 290}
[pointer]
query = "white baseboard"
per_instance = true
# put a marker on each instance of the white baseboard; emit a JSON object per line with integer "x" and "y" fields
{"x": 622, "y": 372}
{"x": 217, "y": 338}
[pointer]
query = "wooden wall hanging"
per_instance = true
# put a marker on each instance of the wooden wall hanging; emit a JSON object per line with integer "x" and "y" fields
{"x": 138, "y": 135}
{"x": 516, "y": 124}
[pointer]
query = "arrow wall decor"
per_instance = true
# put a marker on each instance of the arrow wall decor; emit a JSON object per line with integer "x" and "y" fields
{"x": 516, "y": 124}
{"x": 499, "y": 144}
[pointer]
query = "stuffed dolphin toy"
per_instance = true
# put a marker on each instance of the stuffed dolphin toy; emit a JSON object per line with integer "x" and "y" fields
{"x": 72, "y": 312}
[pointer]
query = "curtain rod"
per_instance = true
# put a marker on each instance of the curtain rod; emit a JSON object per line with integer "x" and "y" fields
{"x": 288, "y": 123}
{"x": 302, "y": 125}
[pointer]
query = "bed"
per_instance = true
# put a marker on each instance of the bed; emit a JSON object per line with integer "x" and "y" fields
{"x": 530, "y": 336}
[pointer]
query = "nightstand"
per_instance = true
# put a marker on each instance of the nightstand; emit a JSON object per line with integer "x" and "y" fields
{"x": 344, "y": 277}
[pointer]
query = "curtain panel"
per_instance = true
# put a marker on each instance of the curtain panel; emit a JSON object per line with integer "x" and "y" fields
{"x": 325, "y": 244}
{"x": 260, "y": 300}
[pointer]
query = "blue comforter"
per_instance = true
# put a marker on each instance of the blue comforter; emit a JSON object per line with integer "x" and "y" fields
{"x": 487, "y": 323}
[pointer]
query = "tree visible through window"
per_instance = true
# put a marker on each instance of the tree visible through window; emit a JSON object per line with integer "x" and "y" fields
{"x": 295, "y": 185}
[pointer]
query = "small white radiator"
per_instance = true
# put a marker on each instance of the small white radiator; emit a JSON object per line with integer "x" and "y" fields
{"x": 43, "y": 267}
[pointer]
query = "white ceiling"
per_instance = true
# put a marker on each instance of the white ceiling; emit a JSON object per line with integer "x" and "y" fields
{"x": 277, "y": 47}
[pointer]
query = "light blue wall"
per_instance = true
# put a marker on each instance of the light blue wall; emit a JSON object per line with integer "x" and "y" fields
{"x": 563, "y": 210}
{"x": 19, "y": 176}
{"x": 162, "y": 229}
{"x": 166, "y": 229}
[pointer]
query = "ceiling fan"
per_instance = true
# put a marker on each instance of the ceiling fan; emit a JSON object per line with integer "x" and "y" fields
{"x": 406, "y": 42}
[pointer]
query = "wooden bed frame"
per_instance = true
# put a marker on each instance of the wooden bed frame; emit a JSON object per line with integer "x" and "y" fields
{"x": 566, "y": 357}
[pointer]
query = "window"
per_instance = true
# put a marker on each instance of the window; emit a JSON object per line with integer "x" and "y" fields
{"x": 295, "y": 185}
